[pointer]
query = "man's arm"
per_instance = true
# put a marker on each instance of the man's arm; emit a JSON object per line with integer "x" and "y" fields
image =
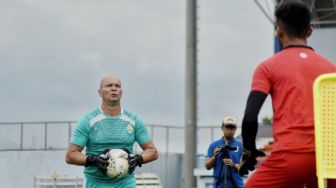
{"x": 210, "y": 161}
{"x": 75, "y": 156}
{"x": 150, "y": 152}
{"x": 250, "y": 121}
{"x": 249, "y": 131}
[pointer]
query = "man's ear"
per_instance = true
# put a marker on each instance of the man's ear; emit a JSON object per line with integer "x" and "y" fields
{"x": 310, "y": 31}
{"x": 280, "y": 31}
{"x": 99, "y": 92}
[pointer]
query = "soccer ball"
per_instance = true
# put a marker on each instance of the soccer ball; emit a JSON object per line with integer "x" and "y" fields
{"x": 118, "y": 163}
{"x": 117, "y": 153}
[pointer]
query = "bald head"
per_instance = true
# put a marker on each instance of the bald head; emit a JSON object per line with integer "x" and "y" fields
{"x": 108, "y": 79}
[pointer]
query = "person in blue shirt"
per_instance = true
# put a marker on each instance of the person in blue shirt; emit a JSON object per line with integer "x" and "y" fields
{"x": 224, "y": 156}
{"x": 109, "y": 127}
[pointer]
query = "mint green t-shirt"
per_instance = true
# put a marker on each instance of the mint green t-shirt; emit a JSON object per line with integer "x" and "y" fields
{"x": 98, "y": 131}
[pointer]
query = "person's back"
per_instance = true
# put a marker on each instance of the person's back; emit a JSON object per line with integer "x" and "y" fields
{"x": 290, "y": 75}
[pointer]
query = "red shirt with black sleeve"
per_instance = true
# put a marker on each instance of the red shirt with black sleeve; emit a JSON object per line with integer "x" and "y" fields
{"x": 288, "y": 77}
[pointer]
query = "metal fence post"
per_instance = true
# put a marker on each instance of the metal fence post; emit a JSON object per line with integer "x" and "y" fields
{"x": 212, "y": 134}
{"x": 45, "y": 135}
{"x": 69, "y": 133}
{"x": 167, "y": 150}
{"x": 21, "y": 136}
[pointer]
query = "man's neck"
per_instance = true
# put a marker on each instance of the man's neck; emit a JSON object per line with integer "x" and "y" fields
{"x": 227, "y": 140}
{"x": 294, "y": 42}
{"x": 112, "y": 110}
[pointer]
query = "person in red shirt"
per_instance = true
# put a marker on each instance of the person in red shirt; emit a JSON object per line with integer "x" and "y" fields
{"x": 288, "y": 76}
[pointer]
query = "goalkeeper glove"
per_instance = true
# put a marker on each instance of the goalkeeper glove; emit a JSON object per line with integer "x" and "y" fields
{"x": 249, "y": 161}
{"x": 134, "y": 160}
{"x": 99, "y": 161}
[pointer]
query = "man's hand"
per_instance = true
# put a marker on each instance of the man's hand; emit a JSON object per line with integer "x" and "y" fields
{"x": 134, "y": 160}
{"x": 249, "y": 161}
{"x": 216, "y": 151}
{"x": 97, "y": 161}
{"x": 228, "y": 162}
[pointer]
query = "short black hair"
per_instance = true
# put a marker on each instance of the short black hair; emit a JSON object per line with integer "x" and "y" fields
{"x": 295, "y": 16}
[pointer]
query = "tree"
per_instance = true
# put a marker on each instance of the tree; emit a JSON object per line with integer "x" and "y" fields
{"x": 266, "y": 120}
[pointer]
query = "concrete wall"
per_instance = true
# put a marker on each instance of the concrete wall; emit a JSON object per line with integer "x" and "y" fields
{"x": 18, "y": 168}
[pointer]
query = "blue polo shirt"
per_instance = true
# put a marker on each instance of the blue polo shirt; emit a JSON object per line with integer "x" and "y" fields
{"x": 234, "y": 180}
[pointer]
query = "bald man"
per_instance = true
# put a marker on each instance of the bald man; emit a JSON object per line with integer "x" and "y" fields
{"x": 109, "y": 127}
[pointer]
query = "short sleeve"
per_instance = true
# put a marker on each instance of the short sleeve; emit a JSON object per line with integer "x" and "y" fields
{"x": 141, "y": 133}
{"x": 261, "y": 79}
{"x": 210, "y": 151}
{"x": 81, "y": 133}
{"x": 240, "y": 149}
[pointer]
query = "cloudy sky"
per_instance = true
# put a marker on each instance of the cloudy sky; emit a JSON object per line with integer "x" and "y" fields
{"x": 53, "y": 54}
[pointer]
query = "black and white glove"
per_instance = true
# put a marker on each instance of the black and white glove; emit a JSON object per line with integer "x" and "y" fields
{"x": 100, "y": 161}
{"x": 249, "y": 161}
{"x": 134, "y": 160}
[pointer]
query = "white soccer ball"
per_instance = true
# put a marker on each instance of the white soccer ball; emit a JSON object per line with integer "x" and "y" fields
{"x": 117, "y": 153}
{"x": 118, "y": 163}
